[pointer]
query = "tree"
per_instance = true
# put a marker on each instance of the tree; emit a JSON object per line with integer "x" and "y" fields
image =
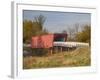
{"x": 45, "y": 31}
{"x": 33, "y": 28}
{"x": 76, "y": 27}
{"x": 64, "y": 31}
{"x": 40, "y": 21}
{"x": 71, "y": 34}
{"x": 27, "y": 30}
{"x": 84, "y": 35}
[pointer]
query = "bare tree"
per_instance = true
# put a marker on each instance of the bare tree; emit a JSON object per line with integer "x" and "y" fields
{"x": 64, "y": 31}
{"x": 40, "y": 20}
{"x": 76, "y": 27}
{"x": 71, "y": 33}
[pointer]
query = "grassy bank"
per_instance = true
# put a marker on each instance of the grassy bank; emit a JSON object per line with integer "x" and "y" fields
{"x": 78, "y": 57}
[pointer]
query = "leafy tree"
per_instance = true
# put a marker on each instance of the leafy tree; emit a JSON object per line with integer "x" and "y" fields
{"x": 33, "y": 28}
{"x": 27, "y": 30}
{"x": 84, "y": 35}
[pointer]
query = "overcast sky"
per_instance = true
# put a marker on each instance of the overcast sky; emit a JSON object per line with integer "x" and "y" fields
{"x": 58, "y": 21}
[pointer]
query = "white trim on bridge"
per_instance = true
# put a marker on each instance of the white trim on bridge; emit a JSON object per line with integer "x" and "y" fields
{"x": 71, "y": 44}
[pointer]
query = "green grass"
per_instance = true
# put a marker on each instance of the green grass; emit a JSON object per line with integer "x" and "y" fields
{"x": 75, "y": 58}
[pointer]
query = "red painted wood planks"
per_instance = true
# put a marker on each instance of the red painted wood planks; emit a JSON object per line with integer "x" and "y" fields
{"x": 43, "y": 41}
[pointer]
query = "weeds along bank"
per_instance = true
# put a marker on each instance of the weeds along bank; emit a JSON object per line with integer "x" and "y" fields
{"x": 74, "y": 58}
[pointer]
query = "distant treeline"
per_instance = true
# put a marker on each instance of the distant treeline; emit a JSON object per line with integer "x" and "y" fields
{"x": 83, "y": 35}
{"x": 35, "y": 27}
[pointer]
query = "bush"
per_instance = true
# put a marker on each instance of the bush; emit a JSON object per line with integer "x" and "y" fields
{"x": 39, "y": 51}
{"x": 84, "y": 35}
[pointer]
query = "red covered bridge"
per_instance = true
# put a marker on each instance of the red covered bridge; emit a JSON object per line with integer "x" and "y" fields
{"x": 46, "y": 41}
{"x": 54, "y": 42}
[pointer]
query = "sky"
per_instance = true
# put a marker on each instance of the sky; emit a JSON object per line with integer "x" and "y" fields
{"x": 56, "y": 22}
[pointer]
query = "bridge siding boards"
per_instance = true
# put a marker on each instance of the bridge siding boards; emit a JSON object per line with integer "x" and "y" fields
{"x": 70, "y": 44}
{"x": 46, "y": 41}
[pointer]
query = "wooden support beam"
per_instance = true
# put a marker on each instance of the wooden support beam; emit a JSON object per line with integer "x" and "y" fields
{"x": 61, "y": 49}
